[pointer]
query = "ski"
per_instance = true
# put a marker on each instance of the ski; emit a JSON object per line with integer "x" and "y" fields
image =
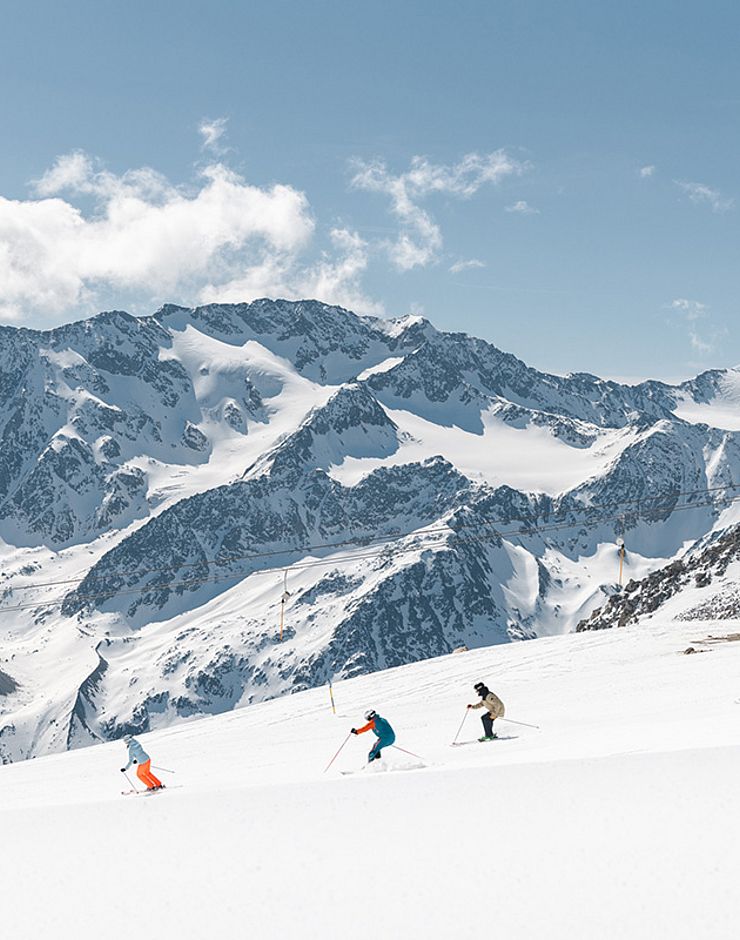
{"x": 147, "y": 792}
{"x": 499, "y": 737}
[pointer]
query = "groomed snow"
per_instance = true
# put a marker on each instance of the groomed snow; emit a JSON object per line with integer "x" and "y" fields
{"x": 618, "y": 819}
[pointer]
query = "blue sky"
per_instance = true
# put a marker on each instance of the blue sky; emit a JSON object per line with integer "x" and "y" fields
{"x": 559, "y": 178}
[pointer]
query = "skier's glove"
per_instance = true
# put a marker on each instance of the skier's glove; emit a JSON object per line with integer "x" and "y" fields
{"x": 123, "y": 770}
{"x": 135, "y": 762}
{"x": 353, "y": 730}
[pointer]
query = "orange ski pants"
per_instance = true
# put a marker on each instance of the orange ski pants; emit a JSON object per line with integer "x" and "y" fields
{"x": 144, "y": 774}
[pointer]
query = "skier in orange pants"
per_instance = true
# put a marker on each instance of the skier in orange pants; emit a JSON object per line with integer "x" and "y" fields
{"x": 137, "y": 755}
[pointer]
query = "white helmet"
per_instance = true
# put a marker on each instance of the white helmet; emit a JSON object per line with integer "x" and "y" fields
{"x": 370, "y": 714}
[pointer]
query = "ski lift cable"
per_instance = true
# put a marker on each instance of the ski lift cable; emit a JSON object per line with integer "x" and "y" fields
{"x": 363, "y": 541}
{"x": 388, "y": 551}
{"x": 360, "y": 554}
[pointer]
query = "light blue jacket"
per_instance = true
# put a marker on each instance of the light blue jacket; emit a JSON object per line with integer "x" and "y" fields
{"x": 136, "y": 754}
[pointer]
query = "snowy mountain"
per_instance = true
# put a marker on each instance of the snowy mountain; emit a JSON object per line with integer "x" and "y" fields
{"x": 422, "y": 490}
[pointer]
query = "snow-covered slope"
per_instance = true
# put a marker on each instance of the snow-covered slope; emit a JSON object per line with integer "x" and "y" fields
{"x": 702, "y": 584}
{"x": 616, "y": 819}
{"x": 423, "y": 490}
{"x": 713, "y": 398}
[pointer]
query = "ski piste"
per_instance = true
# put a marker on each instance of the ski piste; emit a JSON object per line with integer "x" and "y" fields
{"x": 382, "y": 770}
{"x": 149, "y": 792}
{"x": 255, "y": 778}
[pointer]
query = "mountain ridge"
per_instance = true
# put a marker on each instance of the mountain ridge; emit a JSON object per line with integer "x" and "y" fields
{"x": 159, "y": 475}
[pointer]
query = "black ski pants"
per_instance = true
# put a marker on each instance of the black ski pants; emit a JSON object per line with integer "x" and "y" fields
{"x": 488, "y": 720}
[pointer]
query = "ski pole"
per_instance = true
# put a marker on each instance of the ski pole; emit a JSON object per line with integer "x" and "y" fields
{"x": 524, "y": 723}
{"x": 454, "y": 740}
{"x": 163, "y": 769}
{"x": 410, "y": 753}
{"x": 133, "y": 787}
{"x": 338, "y": 752}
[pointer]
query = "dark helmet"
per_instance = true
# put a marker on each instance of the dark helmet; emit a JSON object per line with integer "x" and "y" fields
{"x": 480, "y": 688}
{"x": 370, "y": 714}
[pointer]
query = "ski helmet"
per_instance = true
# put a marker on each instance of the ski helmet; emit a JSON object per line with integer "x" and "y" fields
{"x": 479, "y": 686}
{"x": 370, "y": 714}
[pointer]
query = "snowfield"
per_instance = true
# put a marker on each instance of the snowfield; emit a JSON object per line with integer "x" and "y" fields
{"x": 721, "y": 410}
{"x": 617, "y": 819}
{"x": 528, "y": 458}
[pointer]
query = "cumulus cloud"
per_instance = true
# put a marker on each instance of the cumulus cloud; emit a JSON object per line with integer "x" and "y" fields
{"x": 701, "y": 194}
{"x": 334, "y": 278}
{"x": 87, "y": 236}
{"x": 522, "y": 208}
{"x": 141, "y": 234}
{"x": 420, "y": 238}
{"x": 459, "y": 266}
{"x": 212, "y": 132}
{"x": 647, "y": 171}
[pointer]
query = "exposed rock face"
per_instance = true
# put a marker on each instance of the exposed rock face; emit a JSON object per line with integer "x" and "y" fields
{"x": 8, "y": 684}
{"x": 706, "y": 565}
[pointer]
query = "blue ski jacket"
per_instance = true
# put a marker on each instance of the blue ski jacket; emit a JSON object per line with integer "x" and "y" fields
{"x": 382, "y": 729}
{"x": 136, "y": 753}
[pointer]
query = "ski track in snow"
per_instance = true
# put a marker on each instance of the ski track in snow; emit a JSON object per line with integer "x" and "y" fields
{"x": 617, "y": 819}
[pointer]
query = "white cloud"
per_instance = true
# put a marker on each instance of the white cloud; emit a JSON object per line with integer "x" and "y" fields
{"x": 212, "y": 133}
{"x": 522, "y": 208}
{"x": 647, "y": 171}
{"x": 142, "y": 234}
{"x": 692, "y": 311}
{"x": 334, "y": 278}
{"x": 80, "y": 174}
{"x": 86, "y": 236}
{"x": 459, "y": 266}
{"x": 420, "y": 239}
{"x": 699, "y": 344}
{"x": 72, "y": 171}
{"x": 702, "y": 194}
